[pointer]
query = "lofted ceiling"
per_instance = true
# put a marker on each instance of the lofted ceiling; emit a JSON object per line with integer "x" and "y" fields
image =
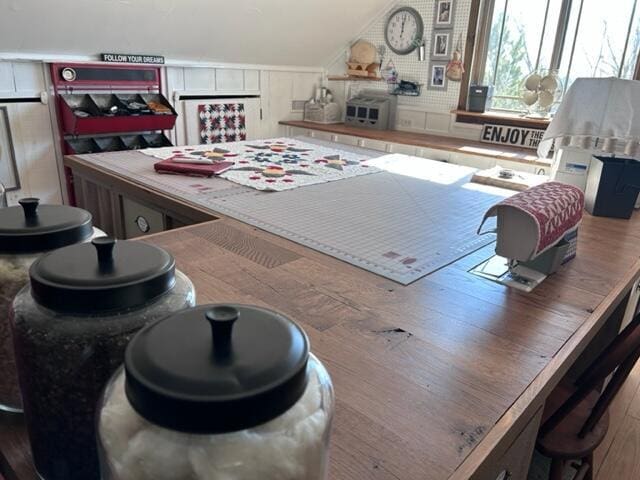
{"x": 276, "y": 32}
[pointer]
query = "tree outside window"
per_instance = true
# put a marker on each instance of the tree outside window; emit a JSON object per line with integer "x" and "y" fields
{"x": 594, "y": 39}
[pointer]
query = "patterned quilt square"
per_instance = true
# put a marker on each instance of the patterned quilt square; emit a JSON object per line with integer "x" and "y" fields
{"x": 222, "y": 122}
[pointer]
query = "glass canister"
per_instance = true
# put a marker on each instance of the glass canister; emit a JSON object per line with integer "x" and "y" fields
{"x": 27, "y": 231}
{"x": 71, "y": 325}
{"x": 217, "y": 392}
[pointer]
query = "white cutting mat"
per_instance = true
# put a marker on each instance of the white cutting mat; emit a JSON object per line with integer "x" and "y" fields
{"x": 397, "y": 226}
{"x": 401, "y": 225}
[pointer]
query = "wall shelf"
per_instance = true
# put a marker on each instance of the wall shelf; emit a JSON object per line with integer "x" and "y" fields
{"x": 500, "y": 118}
{"x": 348, "y": 78}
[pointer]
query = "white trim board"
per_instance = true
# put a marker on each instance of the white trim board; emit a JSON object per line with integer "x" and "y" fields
{"x": 51, "y": 58}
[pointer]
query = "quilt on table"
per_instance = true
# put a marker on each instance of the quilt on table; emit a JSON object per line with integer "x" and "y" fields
{"x": 277, "y": 164}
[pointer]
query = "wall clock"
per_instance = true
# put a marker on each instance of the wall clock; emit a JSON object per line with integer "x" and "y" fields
{"x": 403, "y": 31}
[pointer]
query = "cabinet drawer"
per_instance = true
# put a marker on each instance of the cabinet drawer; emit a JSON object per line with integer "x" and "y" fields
{"x": 373, "y": 144}
{"x": 433, "y": 154}
{"x": 322, "y": 135}
{"x": 140, "y": 220}
{"x": 514, "y": 463}
{"x": 297, "y": 132}
{"x": 346, "y": 140}
{"x": 402, "y": 148}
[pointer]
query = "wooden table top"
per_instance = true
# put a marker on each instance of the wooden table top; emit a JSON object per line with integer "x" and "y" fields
{"x": 438, "y": 142}
{"x": 433, "y": 379}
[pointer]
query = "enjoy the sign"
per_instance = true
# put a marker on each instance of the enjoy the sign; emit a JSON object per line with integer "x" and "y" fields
{"x": 514, "y": 136}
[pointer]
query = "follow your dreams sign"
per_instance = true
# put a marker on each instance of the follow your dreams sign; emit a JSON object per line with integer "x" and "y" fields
{"x": 129, "y": 58}
{"x": 514, "y": 136}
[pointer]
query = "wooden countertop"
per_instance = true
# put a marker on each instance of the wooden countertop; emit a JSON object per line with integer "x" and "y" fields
{"x": 438, "y": 142}
{"x": 502, "y": 118}
{"x": 433, "y": 380}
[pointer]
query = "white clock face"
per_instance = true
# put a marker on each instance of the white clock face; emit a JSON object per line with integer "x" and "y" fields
{"x": 403, "y": 31}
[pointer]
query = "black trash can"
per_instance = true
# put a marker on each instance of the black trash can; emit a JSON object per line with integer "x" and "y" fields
{"x": 613, "y": 184}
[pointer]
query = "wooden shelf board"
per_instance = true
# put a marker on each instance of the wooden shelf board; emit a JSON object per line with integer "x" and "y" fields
{"x": 500, "y": 117}
{"x": 427, "y": 140}
{"x": 348, "y": 78}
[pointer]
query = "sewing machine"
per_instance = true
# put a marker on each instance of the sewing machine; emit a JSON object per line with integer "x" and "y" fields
{"x": 536, "y": 232}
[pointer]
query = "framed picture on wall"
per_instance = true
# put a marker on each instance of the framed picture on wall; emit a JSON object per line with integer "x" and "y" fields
{"x": 444, "y": 14}
{"x": 8, "y": 170}
{"x": 441, "y": 45}
{"x": 437, "y": 76}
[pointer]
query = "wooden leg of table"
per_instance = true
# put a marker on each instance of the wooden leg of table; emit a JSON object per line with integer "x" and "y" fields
{"x": 588, "y": 460}
{"x": 557, "y": 467}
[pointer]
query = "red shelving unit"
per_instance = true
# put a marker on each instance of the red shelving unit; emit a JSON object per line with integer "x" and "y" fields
{"x": 109, "y": 107}
{"x": 98, "y": 122}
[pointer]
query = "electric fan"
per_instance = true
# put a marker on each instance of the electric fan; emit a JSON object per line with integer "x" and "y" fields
{"x": 541, "y": 91}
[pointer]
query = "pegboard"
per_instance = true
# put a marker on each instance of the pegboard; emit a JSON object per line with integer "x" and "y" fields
{"x": 408, "y": 66}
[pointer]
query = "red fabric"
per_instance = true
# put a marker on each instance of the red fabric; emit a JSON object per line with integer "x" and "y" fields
{"x": 194, "y": 169}
{"x": 556, "y": 208}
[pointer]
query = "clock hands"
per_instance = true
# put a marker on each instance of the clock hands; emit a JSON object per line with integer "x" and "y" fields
{"x": 404, "y": 19}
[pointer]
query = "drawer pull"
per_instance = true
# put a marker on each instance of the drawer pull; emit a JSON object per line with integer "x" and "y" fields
{"x": 142, "y": 224}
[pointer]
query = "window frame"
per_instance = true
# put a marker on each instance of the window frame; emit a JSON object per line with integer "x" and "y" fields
{"x": 479, "y": 32}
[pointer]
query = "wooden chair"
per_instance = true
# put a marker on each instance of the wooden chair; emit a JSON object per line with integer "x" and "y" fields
{"x": 575, "y": 418}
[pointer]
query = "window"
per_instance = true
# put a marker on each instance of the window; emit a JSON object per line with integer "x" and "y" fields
{"x": 579, "y": 38}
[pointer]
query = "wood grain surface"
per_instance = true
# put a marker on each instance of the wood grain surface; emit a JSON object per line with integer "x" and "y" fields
{"x": 500, "y": 118}
{"x": 433, "y": 380}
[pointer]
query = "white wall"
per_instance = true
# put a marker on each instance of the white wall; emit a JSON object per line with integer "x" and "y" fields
{"x": 270, "y": 32}
{"x": 31, "y": 131}
{"x": 430, "y": 112}
{"x": 281, "y": 89}
{"x": 277, "y": 89}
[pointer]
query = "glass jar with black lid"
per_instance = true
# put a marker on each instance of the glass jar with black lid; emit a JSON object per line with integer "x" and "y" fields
{"x": 26, "y": 232}
{"x": 217, "y": 392}
{"x": 71, "y": 325}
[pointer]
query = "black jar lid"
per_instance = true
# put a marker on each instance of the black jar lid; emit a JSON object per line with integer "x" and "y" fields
{"x": 101, "y": 276}
{"x": 32, "y": 227}
{"x": 216, "y": 368}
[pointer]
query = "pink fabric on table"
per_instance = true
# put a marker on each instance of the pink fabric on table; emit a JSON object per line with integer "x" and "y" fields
{"x": 555, "y": 207}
